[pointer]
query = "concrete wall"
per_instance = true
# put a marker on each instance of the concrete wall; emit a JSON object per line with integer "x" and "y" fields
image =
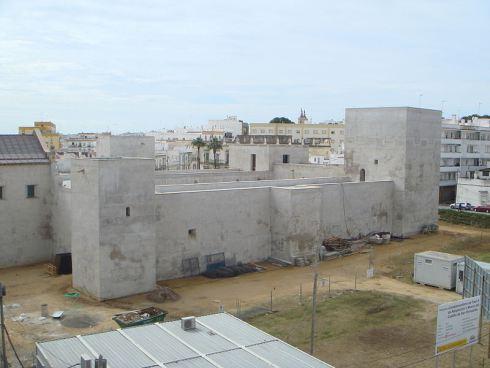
{"x": 207, "y": 176}
{"x": 266, "y": 155}
{"x": 113, "y": 254}
{"x": 294, "y": 171}
{"x": 403, "y": 145}
{"x": 125, "y": 146}
{"x": 305, "y": 215}
{"x": 234, "y": 221}
{"x": 60, "y": 214}
{"x": 474, "y": 191}
{"x": 25, "y": 223}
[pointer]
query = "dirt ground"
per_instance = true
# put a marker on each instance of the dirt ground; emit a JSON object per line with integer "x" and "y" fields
{"x": 29, "y": 287}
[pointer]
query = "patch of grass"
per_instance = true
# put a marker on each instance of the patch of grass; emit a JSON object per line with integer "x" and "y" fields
{"x": 476, "y": 247}
{"x": 341, "y": 316}
{"x": 466, "y": 218}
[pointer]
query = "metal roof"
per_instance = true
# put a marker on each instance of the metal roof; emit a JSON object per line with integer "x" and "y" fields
{"x": 218, "y": 341}
{"x": 21, "y": 149}
{"x": 440, "y": 255}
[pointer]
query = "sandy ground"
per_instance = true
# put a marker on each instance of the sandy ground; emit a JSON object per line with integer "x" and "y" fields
{"x": 29, "y": 287}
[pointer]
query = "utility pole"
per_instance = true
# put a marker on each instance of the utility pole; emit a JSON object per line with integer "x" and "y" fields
{"x": 3, "y": 357}
{"x": 313, "y": 315}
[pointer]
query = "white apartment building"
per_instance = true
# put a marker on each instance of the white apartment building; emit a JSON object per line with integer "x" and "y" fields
{"x": 465, "y": 149}
{"x": 80, "y": 144}
{"x": 231, "y": 125}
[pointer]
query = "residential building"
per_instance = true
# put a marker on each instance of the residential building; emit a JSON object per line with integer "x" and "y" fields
{"x": 475, "y": 190}
{"x": 465, "y": 149}
{"x": 47, "y": 129}
{"x": 327, "y": 134}
{"x": 80, "y": 144}
{"x": 231, "y": 126}
{"x": 25, "y": 200}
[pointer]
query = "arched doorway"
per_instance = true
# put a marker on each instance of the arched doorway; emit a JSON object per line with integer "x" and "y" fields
{"x": 362, "y": 175}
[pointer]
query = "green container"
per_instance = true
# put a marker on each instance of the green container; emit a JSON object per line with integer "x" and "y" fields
{"x": 140, "y": 317}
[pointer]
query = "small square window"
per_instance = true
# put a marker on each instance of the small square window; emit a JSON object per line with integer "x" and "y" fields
{"x": 192, "y": 233}
{"x": 31, "y": 191}
{"x": 375, "y": 162}
{"x": 285, "y": 159}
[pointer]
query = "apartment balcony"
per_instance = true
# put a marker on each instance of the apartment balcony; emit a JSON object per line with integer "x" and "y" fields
{"x": 450, "y": 168}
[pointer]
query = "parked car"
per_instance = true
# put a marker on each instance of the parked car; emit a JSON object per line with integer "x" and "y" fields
{"x": 464, "y": 206}
{"x": 485, "y": 208}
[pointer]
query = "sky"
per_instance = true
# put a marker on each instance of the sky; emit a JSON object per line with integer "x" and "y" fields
{"x": 98, "y": 65}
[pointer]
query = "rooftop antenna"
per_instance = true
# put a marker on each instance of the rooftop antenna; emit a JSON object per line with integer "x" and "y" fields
{"x": 479, "y": 106}
{"x": 442, "y": 106}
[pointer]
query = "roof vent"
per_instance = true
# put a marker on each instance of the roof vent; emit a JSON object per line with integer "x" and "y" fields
{"x": 188, "y": 323}
{"x": 85, "y": 361}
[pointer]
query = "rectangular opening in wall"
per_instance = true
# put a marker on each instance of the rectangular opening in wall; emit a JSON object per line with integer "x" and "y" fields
{"x": 190, "y": 266}
{"x": 1, "y": 192}
{"x": 285, "y": 159}
{"x": 128, "y": 211}
{"x": 375, "y": 162}
{"x": 192, "y": 233}
{"x": 253, "y": 158}
{"x": 31, "y": 191}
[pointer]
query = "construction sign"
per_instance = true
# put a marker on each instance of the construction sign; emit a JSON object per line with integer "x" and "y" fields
{"x": 458, "y": 324}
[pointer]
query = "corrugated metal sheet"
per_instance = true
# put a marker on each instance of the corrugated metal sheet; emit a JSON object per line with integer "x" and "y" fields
{"x": 63, "y": 353}
{"x": 238, "y": 359}
{"x": 285, "y": 356}
{"x": 192, "y": 363}
{"x": 159, "y": 343}
{"x": 235, "y": 329}
{"x": 201, "y": 338}
{"x": 477, "y": 282}
{"x": 181, "y": 349}
{"x": 118, "y": 350}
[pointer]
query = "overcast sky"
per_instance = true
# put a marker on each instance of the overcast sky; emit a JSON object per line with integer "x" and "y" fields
{"x": 150, "y": 64}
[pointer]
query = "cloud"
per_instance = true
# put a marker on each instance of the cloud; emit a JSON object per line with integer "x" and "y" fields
{"x": 92, "y": 63}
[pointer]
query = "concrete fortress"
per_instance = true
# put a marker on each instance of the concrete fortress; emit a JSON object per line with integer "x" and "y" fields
{"x": 130, "y": 226}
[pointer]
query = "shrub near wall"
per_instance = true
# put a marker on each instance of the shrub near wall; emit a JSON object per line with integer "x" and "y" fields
{"x": 465, "y": 218}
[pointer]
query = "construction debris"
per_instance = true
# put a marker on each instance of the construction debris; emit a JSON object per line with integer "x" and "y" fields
{"x": 140, "y": 317}
{"x": 336, "y": 244}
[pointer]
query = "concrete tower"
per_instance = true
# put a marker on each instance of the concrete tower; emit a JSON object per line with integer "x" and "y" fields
{"x": 113, "y": 226}
{"x": 401, "y": 144}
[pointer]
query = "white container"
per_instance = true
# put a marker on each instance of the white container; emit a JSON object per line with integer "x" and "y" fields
{"x": 436, "y": 269}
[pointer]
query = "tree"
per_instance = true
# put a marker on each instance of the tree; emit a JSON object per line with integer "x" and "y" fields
{"x": 469, "y": 117}
{"x": 198, "y": 142}
{"x": 215, "y": 145}
{"x": 281, "y": 120}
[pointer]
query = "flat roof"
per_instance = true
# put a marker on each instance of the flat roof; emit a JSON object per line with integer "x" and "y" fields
{"x": 218, "y": 341}
{"x": 440, "y": 255}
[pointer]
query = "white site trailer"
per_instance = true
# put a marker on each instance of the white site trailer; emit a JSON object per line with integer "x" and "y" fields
{"x": 436, "y": 269}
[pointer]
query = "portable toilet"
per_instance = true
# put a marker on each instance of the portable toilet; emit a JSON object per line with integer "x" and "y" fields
{"x": 436, "y": 269}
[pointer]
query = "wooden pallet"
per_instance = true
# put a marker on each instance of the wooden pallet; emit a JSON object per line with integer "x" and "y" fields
{"x": 51, "y": 269}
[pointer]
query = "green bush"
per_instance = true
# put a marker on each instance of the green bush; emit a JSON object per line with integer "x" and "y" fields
{"x": 465, "y": 218}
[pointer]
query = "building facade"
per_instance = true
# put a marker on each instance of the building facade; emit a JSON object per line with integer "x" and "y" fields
{"x": 465, "y": 149}
{"x": 47, "y": 129}
{"x": 330, "y": 134}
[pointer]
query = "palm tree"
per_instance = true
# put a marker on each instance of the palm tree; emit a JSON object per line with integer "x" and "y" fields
{"x": 215, "y": 145}
{"x": 198, "y": 142}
